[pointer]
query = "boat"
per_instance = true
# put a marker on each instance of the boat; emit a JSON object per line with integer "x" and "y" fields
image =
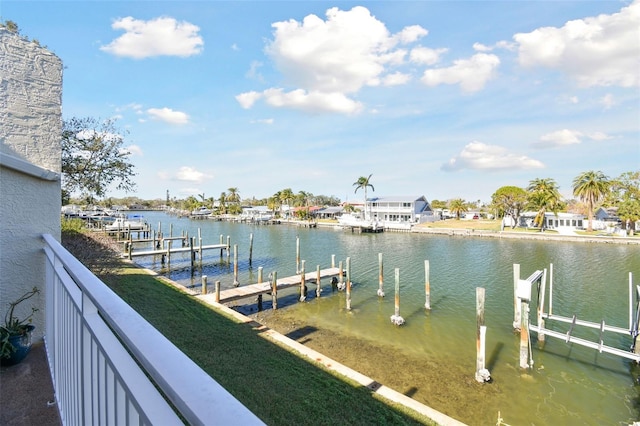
{"x": 202, "y": 211}
{"x": 353, "y": 220}
{"x": 132, "y": 222}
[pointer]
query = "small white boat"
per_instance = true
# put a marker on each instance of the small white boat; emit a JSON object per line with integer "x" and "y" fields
{"x": 134, "y": 222}
{"x": 202, "y": 211}
{"x": 355, "y": 221}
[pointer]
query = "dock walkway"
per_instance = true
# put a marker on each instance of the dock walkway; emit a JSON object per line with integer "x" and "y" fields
{"x": 194, "y": 249}
{"x": 254, "y": 290}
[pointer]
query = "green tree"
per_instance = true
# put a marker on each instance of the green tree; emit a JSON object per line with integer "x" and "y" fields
{"x": 590, "y": 187}
{"x": 629, "y": 213}
{"x": 458, "y": 206}
{"x": 93, "y": 157}
{"x": 222, "y": 206}
{"x": 510, "y": 200}
{"x": 11, "y": 27}
{"x": 286, "y": 197}
{"x": 364, "y": 183}
{"x": 543, "y": 196}
{"x": 233, "y": 195}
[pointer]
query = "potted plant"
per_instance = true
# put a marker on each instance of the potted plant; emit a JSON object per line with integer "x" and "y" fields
{"x": 15, "y": 333}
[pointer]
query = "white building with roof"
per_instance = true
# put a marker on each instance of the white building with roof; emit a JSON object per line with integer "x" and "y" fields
{"x": 399, "y": 211}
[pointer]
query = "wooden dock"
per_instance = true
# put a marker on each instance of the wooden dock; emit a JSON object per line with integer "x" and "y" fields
{"x": 161, "y": 252}
{"x": 254, "y": 290}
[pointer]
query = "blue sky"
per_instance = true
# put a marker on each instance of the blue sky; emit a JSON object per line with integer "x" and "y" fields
{"x": 443, "y": 99}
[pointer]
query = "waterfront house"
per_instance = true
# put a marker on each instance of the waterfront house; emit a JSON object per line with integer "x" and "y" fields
{"x": 561, "y": 222}
{"x": 399, "y": 211}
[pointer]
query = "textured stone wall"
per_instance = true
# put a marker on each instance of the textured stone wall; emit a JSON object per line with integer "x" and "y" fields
{"x": 30, "y": 129}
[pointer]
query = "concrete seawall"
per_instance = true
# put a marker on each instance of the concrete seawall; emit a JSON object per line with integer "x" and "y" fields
{"x": 454, "y": 232}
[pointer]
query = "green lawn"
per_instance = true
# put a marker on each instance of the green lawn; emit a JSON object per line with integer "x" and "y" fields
{"x": 274, "y": 383}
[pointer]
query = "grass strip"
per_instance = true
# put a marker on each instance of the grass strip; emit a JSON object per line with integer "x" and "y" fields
{"x": 277, "y": 385}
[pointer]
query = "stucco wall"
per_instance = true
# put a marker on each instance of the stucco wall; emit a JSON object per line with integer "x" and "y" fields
{"x": 30, "y": 129}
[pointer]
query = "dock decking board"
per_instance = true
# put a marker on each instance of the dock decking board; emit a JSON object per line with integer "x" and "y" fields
{"x": 196, "y": 249}
{"x": 253, "y": 290}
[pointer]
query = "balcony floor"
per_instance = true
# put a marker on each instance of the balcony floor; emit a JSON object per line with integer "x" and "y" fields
{"x": 26, "y": 391}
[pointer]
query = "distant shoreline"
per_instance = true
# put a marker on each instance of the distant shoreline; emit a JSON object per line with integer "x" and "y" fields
{"x": 545, "y": 236}
{"x": 526, "y": 236}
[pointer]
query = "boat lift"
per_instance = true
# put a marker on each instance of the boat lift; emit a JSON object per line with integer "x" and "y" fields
{"x": 522, "y": 298}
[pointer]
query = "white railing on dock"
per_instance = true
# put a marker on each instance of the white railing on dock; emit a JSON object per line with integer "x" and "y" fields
{"x": 110, "y": 366}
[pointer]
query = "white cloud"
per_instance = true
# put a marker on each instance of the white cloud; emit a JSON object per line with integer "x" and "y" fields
{"x": 312, "y": 101}
{"x": 324, "y": 62}
{"x": 566, "y": 137}
{"x": 395, "y": 79}
{"x": 168, "y": 115}
{"x": 479, "y": 47}
{"x": 608, "y": 101}
{"x": 411, "y": 34}
{"x": 559, "y": 138}
{"x": 134, "y": 150}
{"x": 189, "y": 174}
{"x": 425, "y": 55}
{"x": 158, "y": 37}
{"x": 264, "y": 121}
{"x": 595, "y": 51}
{"x": 247, "y": 99}
{"x": 472, "y": 74}
{"x": 253, "y": 71}
{"x": 479, "y": 156}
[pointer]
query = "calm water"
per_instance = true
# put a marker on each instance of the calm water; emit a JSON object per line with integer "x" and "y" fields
{"x": 569, "y": 384}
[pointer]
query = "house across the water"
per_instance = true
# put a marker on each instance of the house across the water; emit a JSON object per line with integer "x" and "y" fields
{"x": 399, "y": 212}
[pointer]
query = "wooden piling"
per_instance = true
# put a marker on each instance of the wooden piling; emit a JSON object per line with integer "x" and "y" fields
{"x": 236, "y": 283}
{"x": 218, "y": 291}
{"x": 380, "y": 276}
{"x": 348, "y": 283}
{"x": 542, "y": 285}
{"x": 427, "y": 286}
{"x": 228, "y": 247}
{"x": 396, "y": 318}
{"x": 274, "y": 291}
{"x": 297, "y": 254}
{"x": 333, "y": 260}
{"x": 516, "y": 302}
{"x": 221, "y": 242}
{"x": 250, "y": 247}
{"x": 340, "y": 276}
{"x": 260, "y": 274}
{"x": 191, "y": 252}
{"x": 524, "y": 323}
{"x": 303, "y": 289}
{"x": 318, "y": 286}
{"x": 482, "y": 374}
{"x": 200, "y": 243}
{"x": 204, "y": 284}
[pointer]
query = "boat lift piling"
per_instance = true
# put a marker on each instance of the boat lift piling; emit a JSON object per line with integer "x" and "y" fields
{"x": 523, "y": 296}
{"x": 380, "y": 276}
{"x": 427, "y": 286}
{"x": 482, "y": 374}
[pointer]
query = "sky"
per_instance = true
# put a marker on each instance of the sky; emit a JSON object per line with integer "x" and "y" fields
{"x": 442, "y": 99}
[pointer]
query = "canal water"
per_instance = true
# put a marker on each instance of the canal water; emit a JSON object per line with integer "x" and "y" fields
{"x": 568, "y": 384}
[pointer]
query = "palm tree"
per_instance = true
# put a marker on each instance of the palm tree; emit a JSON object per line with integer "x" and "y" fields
{"x": 233, "y": 196}
{"x": 591, "y": 187}
{"x": 544, "y": 196}
{"x": 223, "y": 202}
{"x": 363, "y": 182}
{"x": 286, "y": 195}
{"x": 457, "y": 207}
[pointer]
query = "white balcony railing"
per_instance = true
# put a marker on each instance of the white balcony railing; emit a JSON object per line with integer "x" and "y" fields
{"x": 109, "y": 366}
